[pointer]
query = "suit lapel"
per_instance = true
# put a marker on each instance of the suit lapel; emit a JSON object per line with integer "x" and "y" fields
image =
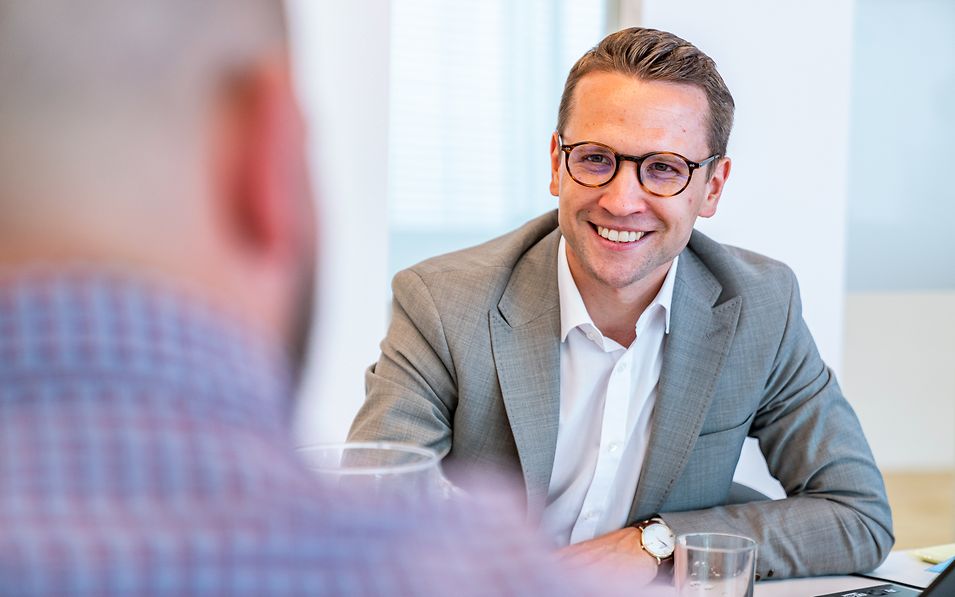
{"x": 525, "y": 340}
{"x": 696, "y": 347}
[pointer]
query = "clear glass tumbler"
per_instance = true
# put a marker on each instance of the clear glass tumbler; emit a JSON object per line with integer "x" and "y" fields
{"x": 714, "y": 565}
{"x": 377, "y": 469}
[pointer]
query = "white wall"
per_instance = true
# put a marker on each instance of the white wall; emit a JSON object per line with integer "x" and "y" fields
{"x": 901, "y": 195}
{"x": 901, "y": 358}
{"x": 341, "y": 49}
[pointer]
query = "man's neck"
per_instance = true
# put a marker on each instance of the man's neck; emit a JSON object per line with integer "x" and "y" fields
{"x": 615, "y": 311}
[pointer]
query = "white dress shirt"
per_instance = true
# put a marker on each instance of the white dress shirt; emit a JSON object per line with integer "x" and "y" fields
{"x": 607, "y": 393}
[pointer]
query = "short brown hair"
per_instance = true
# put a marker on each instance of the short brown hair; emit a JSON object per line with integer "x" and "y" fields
{"x": 654, "y": 55}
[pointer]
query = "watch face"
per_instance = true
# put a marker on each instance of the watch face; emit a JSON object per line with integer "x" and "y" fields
{"x": 658, "y": 539}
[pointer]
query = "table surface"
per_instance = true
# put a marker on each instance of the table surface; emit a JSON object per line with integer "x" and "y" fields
{"x": 900, "y": 566}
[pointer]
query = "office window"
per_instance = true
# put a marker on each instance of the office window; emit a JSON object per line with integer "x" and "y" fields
{"x": 474, "y": 91}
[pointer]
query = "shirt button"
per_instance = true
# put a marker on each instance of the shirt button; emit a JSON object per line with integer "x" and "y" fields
{"x": 624, "y": 365}
{"x": 590, "y": 515}
{"x": 592, "y": 336}
{"x": 613, "y": 447}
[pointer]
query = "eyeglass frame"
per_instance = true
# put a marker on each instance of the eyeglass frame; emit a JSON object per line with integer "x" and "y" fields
{"x": 637, "y": 160}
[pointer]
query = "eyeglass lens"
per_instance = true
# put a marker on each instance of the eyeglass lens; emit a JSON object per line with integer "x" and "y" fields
{"x": 661, "y": 173}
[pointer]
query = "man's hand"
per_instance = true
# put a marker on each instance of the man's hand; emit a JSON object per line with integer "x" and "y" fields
{"x": 618, "y": 553}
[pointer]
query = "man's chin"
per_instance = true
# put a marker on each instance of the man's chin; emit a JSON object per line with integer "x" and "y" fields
{"x": 645, "y": 278}
{"x": 622, "y": 283}
{"x": 621, "y": 278}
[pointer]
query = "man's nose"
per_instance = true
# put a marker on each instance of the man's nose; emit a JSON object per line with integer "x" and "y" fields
{"x": 624, "y": 195}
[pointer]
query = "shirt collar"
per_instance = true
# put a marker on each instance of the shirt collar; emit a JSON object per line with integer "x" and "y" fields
{"x": 573, "y": 312}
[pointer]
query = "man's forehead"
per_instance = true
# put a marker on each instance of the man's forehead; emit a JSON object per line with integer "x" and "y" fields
{"x": 622, "y": 92}
{"x": 609, "y": 102}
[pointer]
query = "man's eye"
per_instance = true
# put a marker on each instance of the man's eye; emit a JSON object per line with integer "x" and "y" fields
{"x": 598, "y": 159}
{"x": 664, "y": 170}
{"x": 662, "y": 167}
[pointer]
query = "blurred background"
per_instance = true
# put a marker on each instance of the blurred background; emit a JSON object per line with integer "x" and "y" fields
{"x": 434, "y": 118}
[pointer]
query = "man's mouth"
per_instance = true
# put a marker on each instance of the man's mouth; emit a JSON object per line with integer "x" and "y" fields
{"x": 619, "y": 236}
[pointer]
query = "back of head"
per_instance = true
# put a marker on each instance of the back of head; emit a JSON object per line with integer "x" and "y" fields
{"x": 159, "y": 136}
{"x": 653, "y": 55}
{"x": 58, "y": 50}
{"x": 105, "y": 108}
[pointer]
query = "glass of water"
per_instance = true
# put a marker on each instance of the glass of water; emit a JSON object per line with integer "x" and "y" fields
{"x": 714, "y": 565}
{"x": 378, "y": 469}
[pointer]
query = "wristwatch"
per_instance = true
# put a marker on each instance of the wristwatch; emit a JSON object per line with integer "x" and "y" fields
{"x": 656, "y": 538}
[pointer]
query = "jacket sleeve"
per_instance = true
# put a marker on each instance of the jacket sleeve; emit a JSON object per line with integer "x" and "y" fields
{"x": 411, "y": 391}
{"x": 836, "y": 518}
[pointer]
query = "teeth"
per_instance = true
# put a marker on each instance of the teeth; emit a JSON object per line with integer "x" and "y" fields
{"x": 619, "y": 236}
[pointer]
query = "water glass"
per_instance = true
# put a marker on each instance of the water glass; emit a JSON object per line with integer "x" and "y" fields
{"x": 377, "y": 469}
{"x": 714, "y": 565}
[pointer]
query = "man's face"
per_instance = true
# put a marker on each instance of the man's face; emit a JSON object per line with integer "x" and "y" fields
{"x": 634, "y": 117}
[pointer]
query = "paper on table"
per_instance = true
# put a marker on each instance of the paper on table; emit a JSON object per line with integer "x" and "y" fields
{"x": 936, "y": 553}
{"x": 903, "y": 567}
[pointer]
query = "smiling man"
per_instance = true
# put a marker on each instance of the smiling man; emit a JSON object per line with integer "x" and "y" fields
{"x": 616, "y": 359}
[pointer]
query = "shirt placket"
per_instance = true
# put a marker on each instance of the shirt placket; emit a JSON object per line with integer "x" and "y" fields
{"x": 613, "y": 433}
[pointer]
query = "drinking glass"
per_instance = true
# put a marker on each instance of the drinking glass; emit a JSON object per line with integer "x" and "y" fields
{"x": 378, "y": 469}
{"x": 714, "y": 565}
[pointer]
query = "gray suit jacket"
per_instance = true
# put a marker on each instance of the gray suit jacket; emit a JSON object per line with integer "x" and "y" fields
{"x": 471, "y": 366}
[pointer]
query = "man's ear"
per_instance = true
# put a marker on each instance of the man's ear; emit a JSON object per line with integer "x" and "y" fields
{"x": 261, "y": 179}
{"x": 555, "y": 155}
{"x": 714, "y": 187}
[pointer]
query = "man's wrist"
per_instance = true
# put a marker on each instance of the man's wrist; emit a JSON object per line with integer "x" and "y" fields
{"x": 658, "y": 541}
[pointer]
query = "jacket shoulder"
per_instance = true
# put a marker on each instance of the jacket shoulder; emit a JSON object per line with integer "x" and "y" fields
{"x": 743, "y": 272}
{"x": 485, "y": 268}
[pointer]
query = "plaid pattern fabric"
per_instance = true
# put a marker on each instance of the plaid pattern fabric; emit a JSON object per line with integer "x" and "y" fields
{"x": 144, "y": 450}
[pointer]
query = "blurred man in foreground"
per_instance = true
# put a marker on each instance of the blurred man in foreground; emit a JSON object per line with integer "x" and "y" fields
{"x": 156, "y": 251}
